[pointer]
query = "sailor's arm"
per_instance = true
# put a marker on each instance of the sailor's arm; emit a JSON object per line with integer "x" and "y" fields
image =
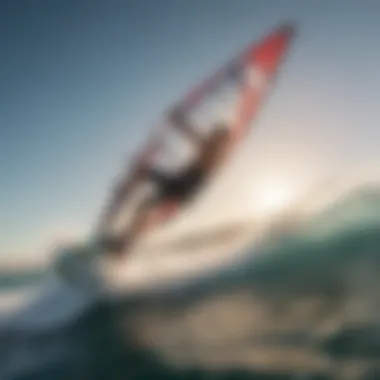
{"x": 180, "y": 123}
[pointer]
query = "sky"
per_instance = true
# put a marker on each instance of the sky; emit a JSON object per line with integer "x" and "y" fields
{"x": 82, "y": 81}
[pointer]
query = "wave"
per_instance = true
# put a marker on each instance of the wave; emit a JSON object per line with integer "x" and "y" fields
{"x": 310, "y": 294}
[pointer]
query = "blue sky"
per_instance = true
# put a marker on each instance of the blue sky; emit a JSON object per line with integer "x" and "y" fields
{"x": 82, "y": 81}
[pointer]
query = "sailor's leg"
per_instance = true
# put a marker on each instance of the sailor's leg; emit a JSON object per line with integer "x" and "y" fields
{"x": 164, "y": 185}
{"x": 120, "y": 195}
{"x": 123, "y": 243}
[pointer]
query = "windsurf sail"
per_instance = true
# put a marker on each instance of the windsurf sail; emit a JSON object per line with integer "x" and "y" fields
{"x": 237, "y": 91}
{"x": 233, "y": 95}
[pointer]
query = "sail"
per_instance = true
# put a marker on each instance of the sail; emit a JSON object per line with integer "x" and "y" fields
{"x": 233, "y": 95}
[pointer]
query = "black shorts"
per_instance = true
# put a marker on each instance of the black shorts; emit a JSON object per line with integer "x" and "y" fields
{"x": 182, "y": 186}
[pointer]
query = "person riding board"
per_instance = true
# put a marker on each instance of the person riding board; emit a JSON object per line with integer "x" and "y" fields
{"x": 181, "y": 187}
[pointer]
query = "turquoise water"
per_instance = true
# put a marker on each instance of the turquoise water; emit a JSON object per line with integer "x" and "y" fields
{"x": 331, "y": 266}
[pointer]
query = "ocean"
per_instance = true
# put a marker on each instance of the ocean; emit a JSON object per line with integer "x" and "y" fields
{"x": 308, "y": 308}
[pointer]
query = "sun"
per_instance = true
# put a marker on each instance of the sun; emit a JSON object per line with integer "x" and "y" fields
{"x": 272, "y": 198}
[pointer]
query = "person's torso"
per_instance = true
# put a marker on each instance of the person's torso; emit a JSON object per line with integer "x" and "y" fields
{"x": 211, "y": 156}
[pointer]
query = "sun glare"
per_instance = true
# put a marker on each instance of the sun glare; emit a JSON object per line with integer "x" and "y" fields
{"x": 271, "y": 199}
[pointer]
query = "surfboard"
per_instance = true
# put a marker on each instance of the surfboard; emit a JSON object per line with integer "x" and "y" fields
{"x": 234, "y": 95}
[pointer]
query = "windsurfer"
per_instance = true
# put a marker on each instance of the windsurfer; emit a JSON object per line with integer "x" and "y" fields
{"x": 179, "y": 187}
